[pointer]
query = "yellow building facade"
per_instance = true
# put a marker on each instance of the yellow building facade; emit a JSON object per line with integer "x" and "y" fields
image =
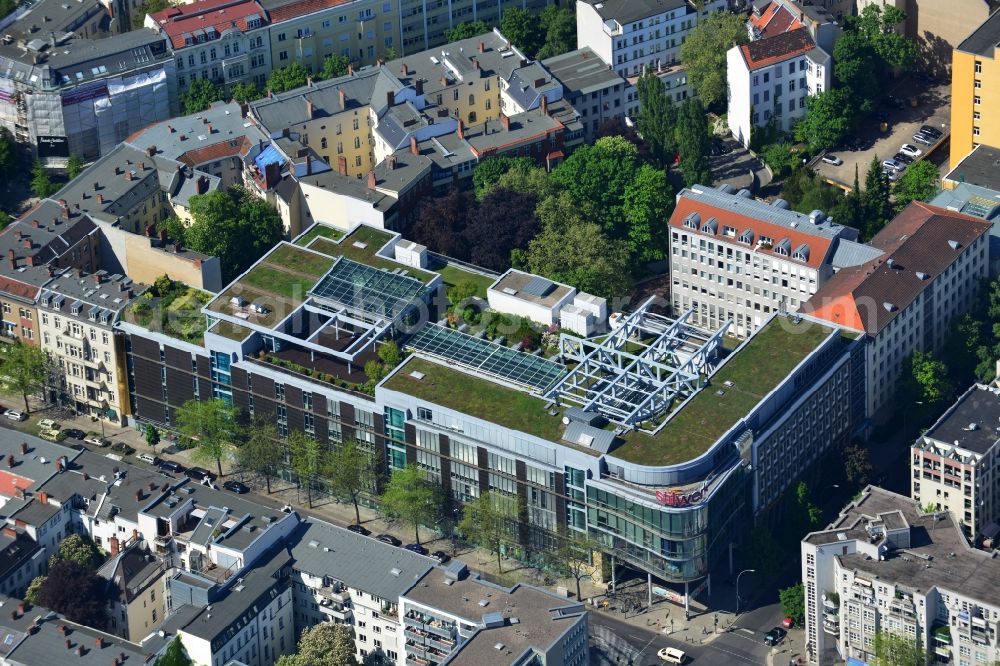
{"x": 975, "y": 90}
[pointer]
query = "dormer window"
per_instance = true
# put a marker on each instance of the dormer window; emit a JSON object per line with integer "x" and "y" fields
{"x": 784, "y": 247}
{"x": 747, "y": 237}
{"x": 711, "y": 226}
{"x": 693, "y": 221}
{"x": 801, "y": 253}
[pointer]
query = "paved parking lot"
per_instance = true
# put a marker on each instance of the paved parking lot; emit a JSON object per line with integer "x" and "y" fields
{"x": 933, "y": 108}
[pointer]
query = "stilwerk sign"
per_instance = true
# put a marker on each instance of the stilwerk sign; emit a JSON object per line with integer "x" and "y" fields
{"x": 675, "y": 497}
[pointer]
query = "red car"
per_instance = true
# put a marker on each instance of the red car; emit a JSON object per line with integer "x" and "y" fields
{"x": 788, "y": 623}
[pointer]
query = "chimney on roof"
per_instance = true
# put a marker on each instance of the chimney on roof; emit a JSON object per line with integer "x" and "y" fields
{"x": 128, "y": 175}
{"x": 170, "y": 128}
{"x": 461, "y": 130}
{"x": 504, "y": 120}
{"x": 202, "y": 185}
{"x": 99, "y": 642}
{"x": 414, "y": 148}
{"x": 309, "y": 82}
{"x": 270, "y": 93}
{"x": 79, "y": 650}
{"x": 443, "y": 81}
{"x": 59, "y": 465}
{"x": 342, "y": 165}
{"x": 151, "y": 150}
{"x": 43, "y": 497}
{"x": 100, "y": 198}
{"x": 545, "y": 105}
{"x": 64, "y": 212}
{"x": 97, "y": 278}
{"x": 482, "y": 47}
{"x": 475, "y": 63}
{"x": 309, "y": 108}
{"x": 371, "y": 180}
{"x": 404, "y": 70}
{"x": 343, "y": 99}
{"x": 118, "y": 170}
{"x": 418, "y": 86}
{"x": 10, "y": 460}
{"x": 390, "y": 162}
{"x": 35, "y": 224}
{"x": 12, "y": 257}
{"x": 30, "y": 259}
{"x": 309, "y": 164}
{"x": 69, "y": 643}
{"x": 390, "y": 98}
{"x": 97, "y": 186}
{"x": 524, "y": 62}
{"x": 142, "y": 166}
{"x": 380, "y": 61}
{"x": 77, "y": 204}
{"x": 52, "y": 271}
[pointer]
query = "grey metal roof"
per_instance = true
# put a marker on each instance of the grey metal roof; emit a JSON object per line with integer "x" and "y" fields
{"x": 971, "y": 423}
{"x": 984, "y": 39}
{"x": 971, "y": 200}
{"x": 589, "y": 437}
{"x": 980, "y": 167}
{"x": 38, "y": 464}
{"x": 583, "y": 71}
{"x": 627, "y": 11}
{"x": 225, "y": 119}
{"x": 358, "y": 561}
{"x": 851, "y": 253}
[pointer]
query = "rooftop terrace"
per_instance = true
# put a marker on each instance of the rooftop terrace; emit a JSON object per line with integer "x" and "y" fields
{"x": 175, "y": 312}
{"x": 481, "y": 398}
{"x": 749, "y": 374}
{"x": 362, "y": 246}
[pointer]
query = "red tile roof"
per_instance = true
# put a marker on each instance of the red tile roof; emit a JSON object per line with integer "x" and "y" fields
{"x": 17, "y": 289}
{"x": 776, "y": 19}
{"x": 819, "y": 246}
{"x": 202, "y": 15}
{"x": 771, "y": 50}
{"x": 216, "y": 151}
{"x": 301, "y": 8}
{"x": 9, "y": 482}
{"x": 918, "y": 242}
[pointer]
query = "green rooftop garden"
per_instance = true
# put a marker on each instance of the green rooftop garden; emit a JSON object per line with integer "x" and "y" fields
{"x": 766, "y": 359}
{"x": 454, "y": 276}
{"x": 230, "y": 330}
{"x": 476, "y": 397}
{"x": 172, "y": 308}
{"x": 318, "y": 231}
{"x": 374, "y": 239}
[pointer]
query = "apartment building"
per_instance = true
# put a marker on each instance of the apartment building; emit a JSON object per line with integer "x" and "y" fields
{"x": 453, "y": 618}
{"x": 294, "y": 352}
{"x": 137, "y": 591}
{"x": 773, "y": 18}
{"x": 595, "y": 91}
{"x": 21, "y": 559}
{"x": 77, "y": 313}
{"x": 346, "y": 578}
{"x": 932, "y": 263}
{"x": 885, "y": 565}
{"x": 70, "y": 89}
{"x": 953, "y": 463}
{"x": 975, "y": 69}
{"x": 423, "y": 24}
{"x": 222, "y": 41}
{"x": 770, "y": 79}
{"x": 633, "y": 35}
{"x": 733, "y": 258}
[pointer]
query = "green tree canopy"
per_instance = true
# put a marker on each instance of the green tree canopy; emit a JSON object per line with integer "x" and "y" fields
{"x": 465, "y": 30}
{"x": 74, "y": 166}
{"x": 152, "y": 436}
{"x": 856, "y": 69}
{"x": 793, "y": 603}
{"x": 351, "y": 473}
{"x": 235, "y": 226}
{"x": 334, "y": 65}
{"x": 174, "y": 655}
{"x": 534, "y": 181}
{"x": 486, "y": 175}
{"x": 857, "y": 464}
{"x": 490, "y": 522}
{"x": 647, "y": 204}
{"x": 412, "y": 499}
{"x": 574, "y": 556}
{"x": 925, "y": 379}
{"x": 657, "y": 118}
{"x": 200, "y": 95}
{"x": 829, "y": 117}
{"x": 323, "y": 644}
{"x": 703, "y": 54}
{"x": 212, "y": 426}
{"x": 9, "y": 161}
{"x": 148, "y": 7}
{"x": 76, "y": 592}
{"x": 289, "y": 77}
{"x": 523, "y": 28}
{"x": 896, "y": 650}
{"x": 41, "y": 183}
{"x": 261, "y": 452}
{"x": 693, "y": 143}
{"x": 558, "y": 30}
{"x": 879, "y": 26}
{"x": 918, "y": 183}
{"x": 875, "y": 203}
{"x": 24, "y": 369}
{"x": 308, "y": 458}
{"x": 79, "y": 549}
{"x": 246, "y": 91}
{"x": 597, "y": 176}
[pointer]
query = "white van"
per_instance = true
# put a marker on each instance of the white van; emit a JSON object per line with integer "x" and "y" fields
{"x": 149, "y": 458}
{"x": 672, "y": 655}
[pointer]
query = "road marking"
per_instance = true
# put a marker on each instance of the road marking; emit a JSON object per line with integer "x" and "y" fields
{"x": 745, "y": 630}
{"x": 635, "y": 638}
{"x": 736, "y": 655}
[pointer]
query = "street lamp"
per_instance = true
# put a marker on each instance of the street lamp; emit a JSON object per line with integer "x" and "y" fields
{"x": 738, "y": 587}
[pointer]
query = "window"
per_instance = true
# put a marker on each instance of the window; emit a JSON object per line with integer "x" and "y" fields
{"x": 979, "y": 67}
{"x": 424, "y": 414}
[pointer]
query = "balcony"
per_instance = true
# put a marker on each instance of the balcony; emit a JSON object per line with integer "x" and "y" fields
{"x": 445, "y": 644}
{"x": 415, "y": 649}
{"x": 416, "y": 661}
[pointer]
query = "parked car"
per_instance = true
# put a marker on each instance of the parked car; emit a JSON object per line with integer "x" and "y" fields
{"x": 911, "y": 150}
{"x": 48, "y": 424}
{"x": 148, "y": 458}
{"x": 775, "y": 636}
{"x": 389, "y": 539}
{"x": 171, "y": 466}
{"x": 788, "y": 623}
{"x": 415, "y": 548}
{"x": 924, "y": 139}
{"x": 122, "y": 448}
{"x": 73, "y": 433}
{"x": 903, "y": 158}
{"x": 931, "y": 131}
{"x": 15, "y": 415}
{"x": 199, "y": 474}
{"x": 832, "y": 159}
{"x": 358, "y": 529}
{"x": 441, "y": 556}
{"x": 50, "y": 434}
{"x": 893, "y": 164}
{"x": 97, "y": 440}
{"x": 234, "y": 486}
{"x": 891, "y": 175}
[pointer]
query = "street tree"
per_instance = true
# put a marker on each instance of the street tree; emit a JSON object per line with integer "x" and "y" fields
{"x": 918, "y": 183}
{"x": 245, "y": 92}
{"x": 647, "y": 202}
{"x": 200, "y": 95}
{"x": 828, "y": 119}
{"x": 857, "y": 464}
{"x": 212, "y": 426}
{"x": 490, "y": 522}
{"x": 174, "y": 655}
{"x": 152, "y": 435}
{"x": 261, "y": 452}
{"x": 412, "y": 499}
{"x": 308, "y": 459}
{"x": 41, "y": 182}
{"x": 9, "y": 161}
{"x": 351, "y": 473}
{"x": 896, "y": 650}
{"x": 703, "y": 54}
{"x": 465, "y": 30}
{"x": 875, "y": 203}
{"x": 793, "y": 603}
{"x": 24, "y": 369}
{"x": 74, "y": 166}
{"x": 334, "y": 65}
{"x": 657, "y": 117}
{"x": 323, "y": 644}
{"x": 928, "y": 377}
{"x": 574, "y": 557}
